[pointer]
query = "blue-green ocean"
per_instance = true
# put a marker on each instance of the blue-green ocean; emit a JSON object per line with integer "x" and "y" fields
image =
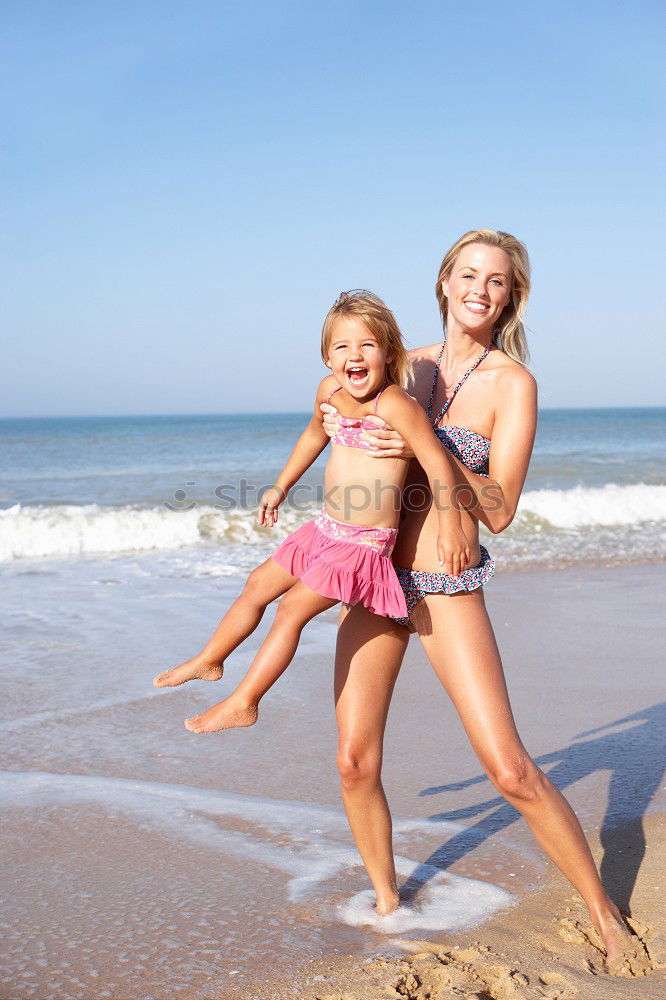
{"x": 187, "y": 485}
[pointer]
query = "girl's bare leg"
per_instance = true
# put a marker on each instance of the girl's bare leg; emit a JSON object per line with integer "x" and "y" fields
{"x": 368, "y": 658}
{"x": 264, "y": 584}
{"x": 298, "y": 606}
{"x": 458, "y": 639}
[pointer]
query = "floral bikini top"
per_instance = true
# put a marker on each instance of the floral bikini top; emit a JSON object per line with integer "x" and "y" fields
{"x": 470, "y": 448}
{"x": 350, "y": 429}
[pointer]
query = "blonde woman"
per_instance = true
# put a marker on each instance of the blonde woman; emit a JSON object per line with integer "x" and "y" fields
{"x": 482, "y": 402}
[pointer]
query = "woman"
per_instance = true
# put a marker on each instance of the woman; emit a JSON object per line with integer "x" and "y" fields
{"x": 485, "y": 402}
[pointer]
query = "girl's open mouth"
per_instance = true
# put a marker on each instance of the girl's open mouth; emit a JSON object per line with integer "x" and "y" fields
{"x": 357, "y": 375}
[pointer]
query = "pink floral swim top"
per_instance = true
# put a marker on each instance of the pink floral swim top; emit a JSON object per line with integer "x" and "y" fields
{"x": 350, "y": 429}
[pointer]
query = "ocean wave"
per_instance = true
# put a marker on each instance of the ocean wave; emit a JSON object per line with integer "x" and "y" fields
{"x": 75, "y": 530}
{"x": 70, "y": 530}
{"x": 581, "y": 507}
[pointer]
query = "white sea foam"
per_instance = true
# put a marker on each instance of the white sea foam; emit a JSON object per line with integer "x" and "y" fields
{"x": 606, "y": 506}
{"x": 71, "y": 531}
{"x": 446, "y": 901}
{"x": 308, "y": 850}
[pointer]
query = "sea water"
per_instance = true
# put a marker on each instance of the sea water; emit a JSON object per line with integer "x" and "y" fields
{"x": 595, "y": 492}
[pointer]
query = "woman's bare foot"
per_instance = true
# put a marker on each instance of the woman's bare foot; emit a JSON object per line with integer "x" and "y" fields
{"x": 227, "y": 714}
{"x": 195, "y": 669}
{"x": 387, "y": 901}
{"x": 625, "y": 953}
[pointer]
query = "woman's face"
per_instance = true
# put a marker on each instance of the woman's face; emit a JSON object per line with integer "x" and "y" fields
{"x": 478, "y": 287}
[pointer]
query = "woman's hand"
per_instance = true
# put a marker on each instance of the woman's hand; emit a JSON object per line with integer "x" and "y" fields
{"x": 268, "y": 506}
{"x": 453, "y": 548}
{"x": 330, "y": 420}
{"x": 384, "y": 442}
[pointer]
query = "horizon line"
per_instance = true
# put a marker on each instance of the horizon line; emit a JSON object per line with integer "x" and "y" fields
{"x": 271, "y": 413}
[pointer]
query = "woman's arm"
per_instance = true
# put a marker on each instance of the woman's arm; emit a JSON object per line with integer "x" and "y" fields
{"x": 494, "y": 499}
{"x": 307, "y": 449}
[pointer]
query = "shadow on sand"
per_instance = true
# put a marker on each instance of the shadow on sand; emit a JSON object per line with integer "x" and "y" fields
{"x": 636, "y": 759}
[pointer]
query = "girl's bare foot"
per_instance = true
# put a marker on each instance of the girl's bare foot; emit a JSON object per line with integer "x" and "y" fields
{"x": 227, "y": 714}
{"x": 195, "y": 669}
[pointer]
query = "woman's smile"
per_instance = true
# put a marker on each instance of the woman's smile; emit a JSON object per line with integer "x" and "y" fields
{"x": 478, "y": 288}
{"x": 479, "y": 308}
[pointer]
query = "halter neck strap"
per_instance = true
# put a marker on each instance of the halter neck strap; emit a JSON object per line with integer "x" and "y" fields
{"x": 453, "y": 395}
{"x": 378, "y": 395}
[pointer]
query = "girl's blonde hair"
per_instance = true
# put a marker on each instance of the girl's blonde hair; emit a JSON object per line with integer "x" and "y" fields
{"x": 380, "y": 321}
{"x": 509, "y": 334}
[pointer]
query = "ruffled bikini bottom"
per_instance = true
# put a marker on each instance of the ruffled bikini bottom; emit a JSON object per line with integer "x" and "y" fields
{"x": 417, "y": 583}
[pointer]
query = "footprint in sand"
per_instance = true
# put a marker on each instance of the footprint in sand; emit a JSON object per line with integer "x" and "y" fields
{"x": 572, "y": 932}
{"x": 467, "y": 973}
{"x": 555, "y": 987}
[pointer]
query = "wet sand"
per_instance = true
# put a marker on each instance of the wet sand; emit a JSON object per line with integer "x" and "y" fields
{"x": 542, "y": 948}
{"x": 143, "y": 861}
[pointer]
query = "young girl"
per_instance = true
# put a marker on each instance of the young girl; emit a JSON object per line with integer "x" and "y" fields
{"x": 343, "y": 554}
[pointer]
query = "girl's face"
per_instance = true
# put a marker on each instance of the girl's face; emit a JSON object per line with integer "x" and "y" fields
{"x": 478, "y": 287}
{"x": 356, "y": 358}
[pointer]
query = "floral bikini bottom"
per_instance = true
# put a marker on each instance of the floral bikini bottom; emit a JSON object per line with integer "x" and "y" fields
{"x": 416, "y": 583}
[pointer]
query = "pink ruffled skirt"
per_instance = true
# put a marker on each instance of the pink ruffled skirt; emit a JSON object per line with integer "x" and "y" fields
{"x": 346, "y": 562}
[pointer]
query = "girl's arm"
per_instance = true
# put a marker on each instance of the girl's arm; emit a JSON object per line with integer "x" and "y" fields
{"x": 307, "y": 449}
{"x": 407, "y": 417}
{"x": 493, "y": 498}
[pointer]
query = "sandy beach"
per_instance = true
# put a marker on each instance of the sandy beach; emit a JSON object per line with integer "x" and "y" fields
{"x": 542, "y": 948}
{"x": 142, "y": 861}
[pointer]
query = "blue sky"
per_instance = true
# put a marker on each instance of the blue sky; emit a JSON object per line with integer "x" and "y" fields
{"x": 187, "y": 187}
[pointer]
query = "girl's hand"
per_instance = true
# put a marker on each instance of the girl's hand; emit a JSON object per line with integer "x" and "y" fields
{"x": 268, "y": 506}
{"x": 453, "y": 549}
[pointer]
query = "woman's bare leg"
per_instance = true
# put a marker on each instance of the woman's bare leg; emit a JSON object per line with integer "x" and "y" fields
{"x": 368, "y": 658}
{"x": 264, "y": 584}
{"x": 458, "y": 639}
{"x": 298, "y": 606}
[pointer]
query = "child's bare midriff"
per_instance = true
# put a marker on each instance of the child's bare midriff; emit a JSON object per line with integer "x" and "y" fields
{"x": 363, "y": 490}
